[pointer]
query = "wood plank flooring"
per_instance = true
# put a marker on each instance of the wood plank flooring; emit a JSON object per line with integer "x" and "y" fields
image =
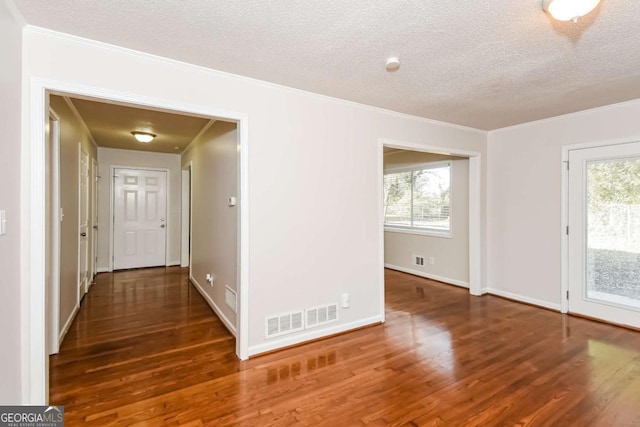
{"x": 146, "y": 350}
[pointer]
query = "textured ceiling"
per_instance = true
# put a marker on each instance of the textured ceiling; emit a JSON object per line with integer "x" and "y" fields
{"x": 111, "y": 126}
{"x": 477, "y": 63}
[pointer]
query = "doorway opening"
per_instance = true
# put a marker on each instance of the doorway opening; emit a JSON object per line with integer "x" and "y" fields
{"x": 35, "y": 371}
{"x": 416, "y": 195}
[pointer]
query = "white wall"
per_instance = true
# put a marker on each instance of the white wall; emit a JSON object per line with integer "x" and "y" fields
{"x": 108, "y": 157}
{"x": 214, "y": 242}
{"x": 524, "y": 216}
{"x": 10, "y": 115}
{"x": 314, "y": 224}
{"x": 71, "y": 133}
{"x": 451, "y": 255}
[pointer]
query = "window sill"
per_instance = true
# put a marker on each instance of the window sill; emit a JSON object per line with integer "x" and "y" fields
{"x": 420, "y": 232}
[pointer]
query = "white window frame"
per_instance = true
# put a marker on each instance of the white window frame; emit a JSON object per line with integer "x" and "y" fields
{"x": 423, "y": 231}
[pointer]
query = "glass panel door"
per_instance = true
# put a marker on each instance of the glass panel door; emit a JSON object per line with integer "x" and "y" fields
{"x": 604, "y": 238}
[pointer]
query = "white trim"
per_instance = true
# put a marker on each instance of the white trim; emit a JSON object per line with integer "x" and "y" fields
{"x": 103, "y": 270}
{"x": 53, "y": 320}
{"x": 169, "y": 213}
{"x": 418, "y": 231}
{"x": 76, "y": 113}
{"x": 32, "y": 227}
{"x": 174, "y": 263}
{"x": 475, "y": 206}
{"x": 225, "y": 320}
{"x": 380, "y": 185}
{"x": 476, "y": 286}
{"x": 242, "y": 315}
{"x": 67, "y": 324}
{"x": 455, "y": 282}
{"x": 138, "y": 54}
{"x": 313, "y": 334}
{"x": 525, "y": 299}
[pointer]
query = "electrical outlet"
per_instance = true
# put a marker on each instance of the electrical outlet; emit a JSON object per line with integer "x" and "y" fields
{"x": 209, "y": 278}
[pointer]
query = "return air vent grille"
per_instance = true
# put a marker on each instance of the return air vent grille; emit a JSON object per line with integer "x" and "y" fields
{"x": 321, "y": 315}
{"x": 282, "y": 324}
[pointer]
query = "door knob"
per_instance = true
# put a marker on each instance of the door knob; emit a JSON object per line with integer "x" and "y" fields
{"x": 83, "y": 234}
{"x": 162, "y": 226}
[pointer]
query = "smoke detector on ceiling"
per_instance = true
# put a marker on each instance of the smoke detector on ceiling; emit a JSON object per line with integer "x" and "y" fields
{"x": 392, "y": 64}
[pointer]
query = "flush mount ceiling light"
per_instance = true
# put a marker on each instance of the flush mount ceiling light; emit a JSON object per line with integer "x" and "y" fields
{"x": 143, "y": 136}
{"x": 392, "y": 64}
{"x": 569, "y": 10}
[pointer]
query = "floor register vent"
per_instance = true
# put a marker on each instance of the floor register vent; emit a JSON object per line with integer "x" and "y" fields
{"x": 295, "y": 321}
{"x": 284, "y": 324}
{"x": 321, "y": 315}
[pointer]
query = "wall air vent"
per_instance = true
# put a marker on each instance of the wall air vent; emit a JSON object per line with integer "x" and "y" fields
{"x": 282, "y": 324}
{"x": 230, "y": 298}
{"x": 322, "y": 315}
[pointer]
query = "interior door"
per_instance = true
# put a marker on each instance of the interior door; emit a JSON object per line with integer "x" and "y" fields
{"x": 604, "y": 233}
{"x": 84, "y": 225}
{"x": 139, "y": 218}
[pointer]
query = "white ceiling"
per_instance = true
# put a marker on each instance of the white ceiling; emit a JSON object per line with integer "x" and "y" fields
{"x": 111, "y": 126}
{"x": 485, "y": 64}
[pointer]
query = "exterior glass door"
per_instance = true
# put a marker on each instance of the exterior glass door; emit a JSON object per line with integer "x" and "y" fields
{"x": 604, "y": 233}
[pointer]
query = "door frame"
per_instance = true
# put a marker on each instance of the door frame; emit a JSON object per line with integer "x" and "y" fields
{"x": 112, "y": 218}
{"x": 475, "y": 211}
{"x": 185, "y": 216}
{"x": 93, "y": 222}
{"x": 34, "y": 373}
{"x": 85, "y": 285}
{"x": 53, "y": 310}
{"x": 564, "y": 210}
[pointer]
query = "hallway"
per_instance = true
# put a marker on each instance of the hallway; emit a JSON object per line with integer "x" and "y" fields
{"x": 146, "y": 349}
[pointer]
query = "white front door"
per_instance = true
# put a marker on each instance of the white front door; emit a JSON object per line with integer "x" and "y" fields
{"x": 139, "y": 218}
{"x": 83, "y": 261}
{"x": 604, "y": 233}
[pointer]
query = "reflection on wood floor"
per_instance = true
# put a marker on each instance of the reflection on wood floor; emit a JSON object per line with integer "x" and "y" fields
{"x": 145, "y": 349}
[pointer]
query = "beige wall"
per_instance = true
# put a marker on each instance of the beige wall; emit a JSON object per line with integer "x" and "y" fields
{"x": 108, "y": 157}
{"x": 71, "y": 133}
{"x": 214, "y": 176}
{"x": 314, "y": 223}
{"x": 10, "y": 78}
{"x": 524, "y": 220}
{"x": 451, "y": 255}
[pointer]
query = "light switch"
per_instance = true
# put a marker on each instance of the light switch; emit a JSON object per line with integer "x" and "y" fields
{"x": 3, "y": 223}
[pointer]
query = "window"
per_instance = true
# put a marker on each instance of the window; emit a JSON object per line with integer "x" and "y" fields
{"x": 418, "y": 198}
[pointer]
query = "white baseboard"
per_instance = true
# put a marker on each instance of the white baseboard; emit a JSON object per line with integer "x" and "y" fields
{"x": 173, "y": 263}
{"x": 67, "y": 325}
{"x": 525, "y": 299}
{"x": 455, "y": 282}
{"x": 103, "y": 270}
{"x": 312, "y": 334}
{"x": 225, "y": 320}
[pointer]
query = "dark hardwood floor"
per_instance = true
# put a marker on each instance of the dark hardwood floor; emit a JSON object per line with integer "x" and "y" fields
{"x": 146, "y": 350}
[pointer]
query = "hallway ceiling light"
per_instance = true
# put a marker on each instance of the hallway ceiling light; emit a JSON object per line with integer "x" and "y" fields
{"x": 143, "y": 136}
{"x": 569, "y": 10}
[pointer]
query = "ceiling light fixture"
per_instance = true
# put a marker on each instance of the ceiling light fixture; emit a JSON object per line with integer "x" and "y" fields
{"x": 392, "y": 64}
{"x": 143, "y": 136}
{"x": 569, "y": 10}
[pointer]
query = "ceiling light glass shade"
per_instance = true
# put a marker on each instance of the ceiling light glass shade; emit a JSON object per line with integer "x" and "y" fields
{"x": 143, "y": 136}
{"x": 569, "y": 10}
